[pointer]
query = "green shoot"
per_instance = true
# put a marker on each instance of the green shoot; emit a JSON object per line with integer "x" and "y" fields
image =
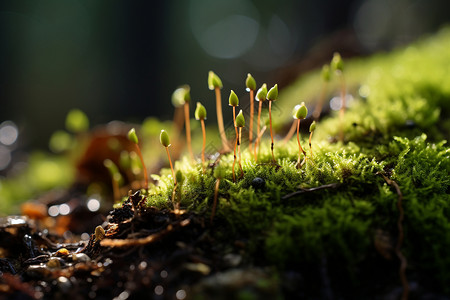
{"x": 234, "y": 101}
{"x": 250, "y": 83}
{"x": 165, "y": 141}
{"x": 326, "y": 75}
{"x": 116, "y": 177}
{"x": 300, "y": 114}
{"x": 312, "y": 127}
{"x": 260, "y": 97}
{"x": 272, "y": 95}
{"x": 214, "y": 83}
{"x": 132, "y": 136}
{"x": 240, "y": 122}
{"x": 200, "y": 114}
{"x": 337, "y": 65}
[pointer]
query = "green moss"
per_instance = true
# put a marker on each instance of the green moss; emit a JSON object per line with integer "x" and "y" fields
{"x": 397, "y": 98}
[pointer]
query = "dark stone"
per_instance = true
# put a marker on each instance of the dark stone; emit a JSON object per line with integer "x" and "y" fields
{"x": 258, "y": 183}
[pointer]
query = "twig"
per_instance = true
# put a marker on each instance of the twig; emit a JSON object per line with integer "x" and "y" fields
{"x": 317, "y": 188}
{"x": 398, "y": 246}
{"x": 143, "y": 241}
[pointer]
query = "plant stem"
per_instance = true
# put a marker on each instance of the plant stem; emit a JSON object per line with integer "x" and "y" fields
{"x": 216, "y": 194}
{"x": 204, "y": 143}
{"x": 239, "y": 151}
{"x": 223, "y": 137}
{"x": 318, "y": 110}
{"x": 257, "y": 130}
{"x": 271, "y": 131}
{"x": 310, "y": 148}
{"x": 342, "y": 110}
{"x": 138, "y": 151}
{"x": 250, "y": 132}
{"x": 171, "y": 166}
{"x": 290, "y": 132}
{"x": 236, "y": 142}
{"x": 300, "y": 149}
{"x": 187, "y": 123}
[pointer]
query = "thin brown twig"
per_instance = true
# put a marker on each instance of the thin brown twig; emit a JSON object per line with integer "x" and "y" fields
{"x": 398, "y": 246}
{"x": 145, "y": 240}
{"x": 317, "y": 188}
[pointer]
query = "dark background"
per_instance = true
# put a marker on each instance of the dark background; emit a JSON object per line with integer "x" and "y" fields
{"x": 122, "y": 59}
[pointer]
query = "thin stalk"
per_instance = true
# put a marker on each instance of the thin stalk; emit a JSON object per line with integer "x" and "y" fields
{"x": 171, "y": 166}
{"x": 342, "y": 110}
{"x": 236, "y": 142}
{"x": 204, "y": 143}
{"x": 138, "y": 151}
{"x": 250, "y": 132}
{"x": 271, "y": 131}
{"x": 223, "y": 137}
{"x": 300, "y": 149}
{"x": 318, "y": 110}
{"x": 290, "y": 132}
{"x": 239, "y": 151}
{"x": 310, "y": 148}
{"x": 216, "y": 194}
{"x": 257, "y": 129}
{"x": 187, "y": 123}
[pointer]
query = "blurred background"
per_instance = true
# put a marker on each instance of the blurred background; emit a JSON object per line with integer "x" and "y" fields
{"x": 123, "y": 59}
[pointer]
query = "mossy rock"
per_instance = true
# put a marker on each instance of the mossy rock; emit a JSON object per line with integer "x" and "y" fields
{"x": 339, "y": 212}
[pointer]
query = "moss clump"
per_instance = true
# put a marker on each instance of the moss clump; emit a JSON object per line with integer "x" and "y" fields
{"x": 335, "y": 206}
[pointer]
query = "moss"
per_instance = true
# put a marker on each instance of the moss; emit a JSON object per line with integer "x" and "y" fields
{"x": 398, "y": 98}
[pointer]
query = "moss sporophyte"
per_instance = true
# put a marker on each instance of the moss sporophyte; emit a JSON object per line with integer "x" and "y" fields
{"x": 240, "y": 123}
{"x": 300, "y": 114}
{"x": 260, "y": 97}
{"x": 200, "y": 114}
{"x": 326, "y": 76}
{"x": 250, "y": 84}
{"x": 132, "y": 136}
{"x": 165, "y": 141}
{"x": 116, "y": 177}
{"x": 312, "y": 127}
{"x": 214, "y": 83}
{"x": 185, "y": 94}
{"x": 272, "y": 95}
{"x": 234, "y": 101}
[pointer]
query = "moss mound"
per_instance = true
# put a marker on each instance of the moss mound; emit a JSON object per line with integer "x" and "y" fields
{"x": 340, "y": 211}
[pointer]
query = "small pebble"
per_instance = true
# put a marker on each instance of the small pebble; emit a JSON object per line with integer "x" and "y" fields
{"x": 54, "y": 263}
{"x": 80, "y": 257}
{"x": 64, "y": 284}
